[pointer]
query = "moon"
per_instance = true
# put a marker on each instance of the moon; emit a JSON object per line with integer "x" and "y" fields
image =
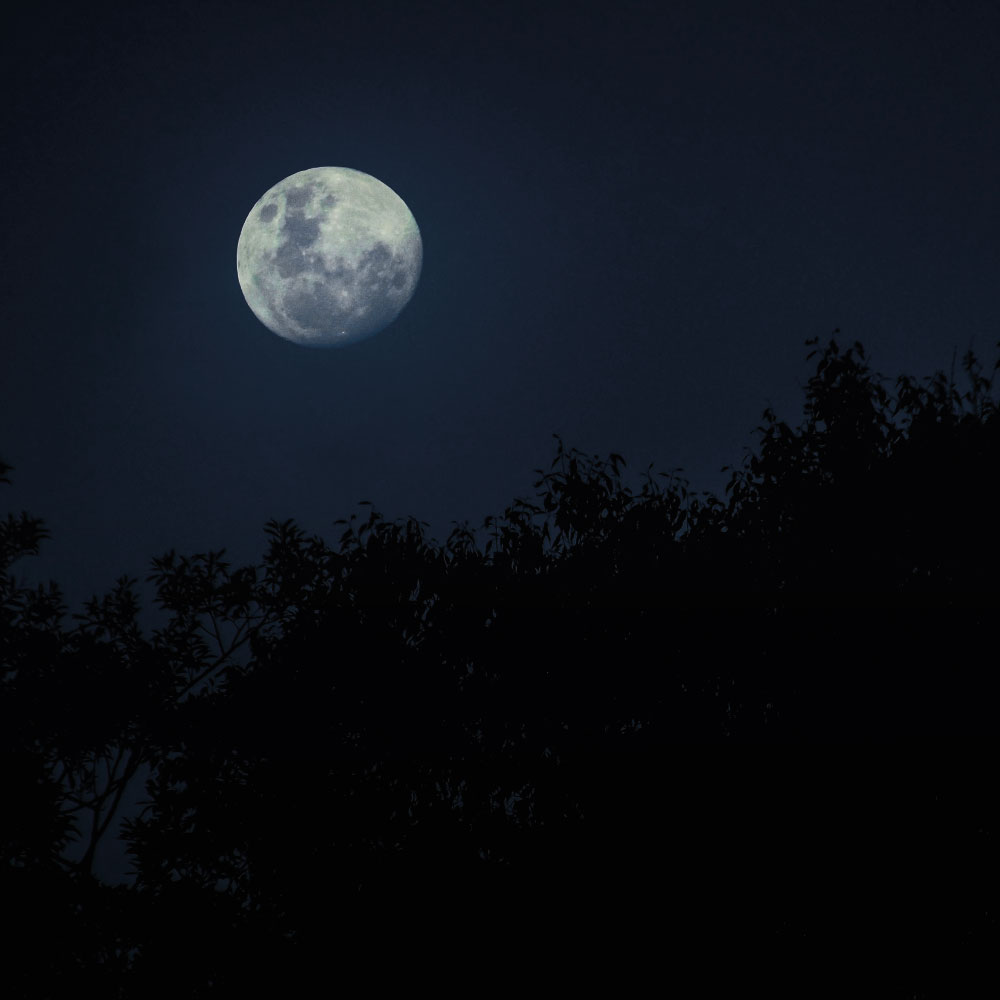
{"x": 328, "y": 256}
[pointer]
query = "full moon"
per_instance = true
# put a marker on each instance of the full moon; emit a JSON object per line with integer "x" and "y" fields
{"x": 328, "y": 256}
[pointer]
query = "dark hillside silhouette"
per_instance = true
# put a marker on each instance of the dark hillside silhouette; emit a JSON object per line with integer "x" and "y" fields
{"x": 761, "y": 720}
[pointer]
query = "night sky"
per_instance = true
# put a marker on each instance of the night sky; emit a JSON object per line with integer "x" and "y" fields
{"x": 633, "y": 216}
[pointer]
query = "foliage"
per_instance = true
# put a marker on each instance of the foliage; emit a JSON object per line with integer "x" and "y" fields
{"x": 343, "y": 728}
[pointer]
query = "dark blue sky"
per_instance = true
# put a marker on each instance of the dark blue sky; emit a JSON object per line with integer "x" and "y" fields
{"x": 633, "y": 215}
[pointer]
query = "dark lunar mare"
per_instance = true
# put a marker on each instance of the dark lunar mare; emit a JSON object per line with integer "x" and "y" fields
{"x": 300, "y": 232}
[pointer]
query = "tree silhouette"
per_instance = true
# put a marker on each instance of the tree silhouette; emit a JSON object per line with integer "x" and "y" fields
{"x": 342, "y": 738}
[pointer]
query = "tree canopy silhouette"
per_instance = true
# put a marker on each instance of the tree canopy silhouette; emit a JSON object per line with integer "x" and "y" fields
{"x": 336, "y": 735}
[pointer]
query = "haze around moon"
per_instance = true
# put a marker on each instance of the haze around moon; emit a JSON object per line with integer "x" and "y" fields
{"x": 328, "y": 256}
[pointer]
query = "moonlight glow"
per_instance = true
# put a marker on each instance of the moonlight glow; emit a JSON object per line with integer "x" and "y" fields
{"x": 328, "y": 256}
